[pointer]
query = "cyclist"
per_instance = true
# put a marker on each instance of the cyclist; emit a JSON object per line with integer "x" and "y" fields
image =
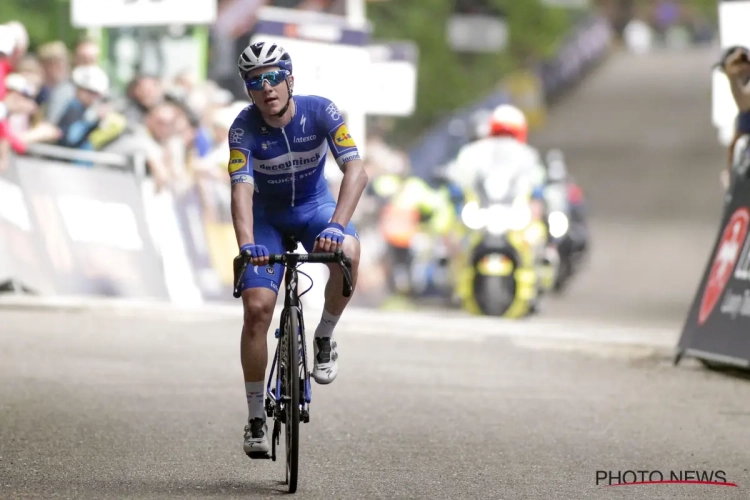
{"x": 278, "y": 148}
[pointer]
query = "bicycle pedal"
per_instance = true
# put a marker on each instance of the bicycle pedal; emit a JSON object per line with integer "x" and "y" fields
{"x": 259, "y": 455}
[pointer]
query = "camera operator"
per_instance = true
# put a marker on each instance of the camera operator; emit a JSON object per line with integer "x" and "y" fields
{"x": 735, "y": 63}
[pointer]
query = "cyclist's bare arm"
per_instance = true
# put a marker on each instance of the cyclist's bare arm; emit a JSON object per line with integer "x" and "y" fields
{"x": 242, "y": 212}
{"x": 740, "y": 92}
{"x": 352, "y": 185}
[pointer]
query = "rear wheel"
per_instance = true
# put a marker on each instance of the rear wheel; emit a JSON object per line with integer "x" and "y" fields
{"x": 292, "y": 406}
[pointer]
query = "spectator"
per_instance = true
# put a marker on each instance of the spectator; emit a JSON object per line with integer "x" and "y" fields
{"x": 154, "y": 138}
{"x": 735, "y": 63}
{"x": 57, "y": 90}
{"x": 87, "y": 53}
{"x": 185, "y": 82}
{"x": 18, "y": 102}
{"x": 22, "y": 81}
{"x": 91, "y": 85}
{"x": 144, "y": 92}
{"x": 97, "y": 124}
{"x": 7, "y": 49}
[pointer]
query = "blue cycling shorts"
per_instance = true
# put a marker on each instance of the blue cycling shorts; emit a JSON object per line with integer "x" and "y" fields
{"x": 271, "y": 224}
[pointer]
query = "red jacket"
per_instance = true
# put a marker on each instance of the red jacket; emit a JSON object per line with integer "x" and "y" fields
{"x": 5, "y": 70}
{"x": 15, "y": 142}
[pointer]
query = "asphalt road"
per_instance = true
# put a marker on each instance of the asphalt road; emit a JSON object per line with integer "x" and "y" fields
{"x": 102, "y": 406}
{"x": 638, "y": 137}
{"x": 125, "y": 406}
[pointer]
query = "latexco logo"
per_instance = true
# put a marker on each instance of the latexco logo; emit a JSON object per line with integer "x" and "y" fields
{"x": 646, "y": 477}
{"x": 727, "y": 253}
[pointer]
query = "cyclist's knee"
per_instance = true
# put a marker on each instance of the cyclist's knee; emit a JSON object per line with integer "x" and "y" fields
{"x": 351, "y": 249}
{"x": 258, "y": 304}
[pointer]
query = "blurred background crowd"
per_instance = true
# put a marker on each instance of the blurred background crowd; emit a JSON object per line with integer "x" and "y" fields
{"x": 168, "y": 89}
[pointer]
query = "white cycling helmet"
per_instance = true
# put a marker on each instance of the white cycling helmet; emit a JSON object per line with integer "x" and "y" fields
{"x": 91, "y": 78}
{"x": 261, "y": 55}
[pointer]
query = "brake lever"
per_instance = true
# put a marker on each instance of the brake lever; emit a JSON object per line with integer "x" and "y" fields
{"x": 346, "y": 269}
{"x": 238, "y": 275}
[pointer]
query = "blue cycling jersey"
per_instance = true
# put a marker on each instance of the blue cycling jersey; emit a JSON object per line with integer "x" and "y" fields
{"x": 286, "y": 164}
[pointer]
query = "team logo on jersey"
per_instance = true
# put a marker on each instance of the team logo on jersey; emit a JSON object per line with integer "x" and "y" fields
{"x": 237, "y": 160}
{"x": 263, "y": 130}
{"x": 343, "y": 139}
{"x": 235, "y": 135}
{"x": 333, "y": 112}
{"x": 303, "y": 122}
{"x": 300, "y": 140}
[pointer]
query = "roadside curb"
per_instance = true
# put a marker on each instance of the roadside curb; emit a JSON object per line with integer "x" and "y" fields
{"x": 430, "y": 324}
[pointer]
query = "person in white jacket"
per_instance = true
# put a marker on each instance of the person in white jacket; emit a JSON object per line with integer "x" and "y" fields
{"x": 505, "y": 152}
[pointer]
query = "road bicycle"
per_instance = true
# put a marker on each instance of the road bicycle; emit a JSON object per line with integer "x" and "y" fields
{"x": 288, "y": 396}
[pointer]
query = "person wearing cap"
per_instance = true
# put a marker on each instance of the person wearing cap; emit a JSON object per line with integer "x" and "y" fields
{"x": 90, "y": 122}
{"x": 735, "y": 63}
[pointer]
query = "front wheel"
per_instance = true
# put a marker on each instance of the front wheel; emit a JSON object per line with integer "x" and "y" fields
{"x": 494, "y": 294}
{"x": 292, "y": 400}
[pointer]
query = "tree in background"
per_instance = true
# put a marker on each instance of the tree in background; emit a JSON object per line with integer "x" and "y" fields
{"x": 448, "y": 80}
{"x": 45, "y": 20}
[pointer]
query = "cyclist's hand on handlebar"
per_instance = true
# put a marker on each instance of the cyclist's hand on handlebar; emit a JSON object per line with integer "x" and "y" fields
{"x": 330, "y": 239}
{"x": 258, "y": 254}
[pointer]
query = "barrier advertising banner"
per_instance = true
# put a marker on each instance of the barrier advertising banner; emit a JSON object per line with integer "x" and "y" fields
{"x": 90, "y": 228}
{"x": 719, "y": 319}
{"x": 200, "y": 241}
{"x": 23, "y": 259}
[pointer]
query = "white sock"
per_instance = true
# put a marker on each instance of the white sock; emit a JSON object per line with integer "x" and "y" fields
{"x": 327, "y": 324}
{"x": 255, "y": 409}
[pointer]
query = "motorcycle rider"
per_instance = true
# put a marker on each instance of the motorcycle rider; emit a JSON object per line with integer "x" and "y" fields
{"x": 416, "y": 210}
{"x": 506, "y": 147}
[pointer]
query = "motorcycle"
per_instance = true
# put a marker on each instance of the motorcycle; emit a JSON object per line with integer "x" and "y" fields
{"x": 568, "y": 231}
{"x": 414, "y": 260}
{"x": 566, "y": 220}
{"x": 506, "y": 271}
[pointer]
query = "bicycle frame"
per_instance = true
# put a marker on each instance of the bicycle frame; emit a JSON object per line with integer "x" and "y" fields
{"x": 276, "y": 399}
{"x": 292, "y": 304}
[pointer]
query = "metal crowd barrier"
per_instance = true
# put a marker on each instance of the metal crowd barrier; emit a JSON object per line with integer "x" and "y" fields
{"x": 73, "y": 222}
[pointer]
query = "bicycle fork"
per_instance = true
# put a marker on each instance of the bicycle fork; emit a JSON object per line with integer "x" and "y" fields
{"x": 274, "y": 395}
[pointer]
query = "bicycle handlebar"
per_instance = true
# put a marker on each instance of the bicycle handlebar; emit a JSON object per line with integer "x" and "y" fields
{"x": 290, "y": 259}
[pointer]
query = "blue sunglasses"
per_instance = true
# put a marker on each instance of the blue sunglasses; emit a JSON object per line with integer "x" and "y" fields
{"x": 272, "y": 77}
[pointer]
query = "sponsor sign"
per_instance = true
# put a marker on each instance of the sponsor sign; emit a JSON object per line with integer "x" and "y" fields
{"x": 108, "y": 13}
{"x": 90, "y": 228}
{"x": 22, "y": 255}
{"x": 291, "y": 162}
{"x": 719, "y": 318}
